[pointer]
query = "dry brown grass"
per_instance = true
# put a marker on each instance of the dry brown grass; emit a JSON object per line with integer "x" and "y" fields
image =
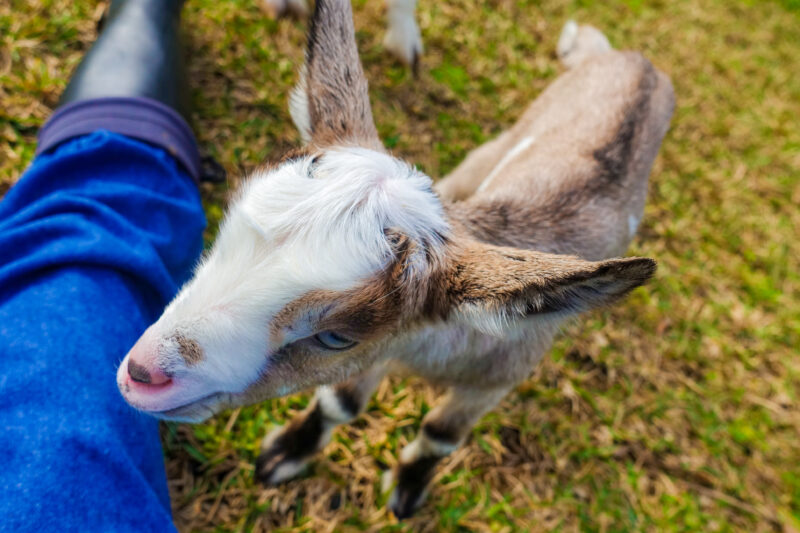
{"x": 677, "y": 410}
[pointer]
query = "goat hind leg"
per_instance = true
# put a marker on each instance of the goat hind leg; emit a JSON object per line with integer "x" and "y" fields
{"x": 286, "y": 451}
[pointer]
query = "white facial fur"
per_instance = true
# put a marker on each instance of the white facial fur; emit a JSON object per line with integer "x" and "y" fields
{"x": 302, "y": 226}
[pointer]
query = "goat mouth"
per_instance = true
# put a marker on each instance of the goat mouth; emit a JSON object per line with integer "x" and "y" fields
{"x": 193, "y": 411}
{"x": 148, "y": 387}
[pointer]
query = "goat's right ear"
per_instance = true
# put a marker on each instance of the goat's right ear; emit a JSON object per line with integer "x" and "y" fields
{"x": 330, "y": 104}
{"x": 492, "y": 287}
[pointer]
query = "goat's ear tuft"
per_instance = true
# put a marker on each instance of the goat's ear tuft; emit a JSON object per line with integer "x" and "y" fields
{"x": 330, "y": 104}
{"x": 492, "y": 287}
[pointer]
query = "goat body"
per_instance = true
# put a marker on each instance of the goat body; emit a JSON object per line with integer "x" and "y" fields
{"x": 341, "y": 263}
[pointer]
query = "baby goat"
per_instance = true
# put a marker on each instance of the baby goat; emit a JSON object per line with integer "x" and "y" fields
{"x": 403, "y": 39}
{"x": 341, "y": 263}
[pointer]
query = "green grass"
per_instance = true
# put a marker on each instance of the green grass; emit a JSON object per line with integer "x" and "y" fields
{"x": 677, "y": 410}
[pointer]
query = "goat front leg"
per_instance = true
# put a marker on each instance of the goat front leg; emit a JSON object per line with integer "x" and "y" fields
{"x": 286, "y": 451}
{"x": 444, "y": 429}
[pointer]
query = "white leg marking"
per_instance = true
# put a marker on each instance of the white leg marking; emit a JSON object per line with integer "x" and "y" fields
{"x": 403, "y": 37}
{"x": 286, "y": 471}
{"x": 514, "y": 152}
{"x": 423, "y": 446}
{"x": 331, "y": 407}
{"x": 270, "y": 438}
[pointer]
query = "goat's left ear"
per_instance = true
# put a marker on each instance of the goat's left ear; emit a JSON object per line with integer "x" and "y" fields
{"x": 491, "y": 286}
{"x": 330, "y": 104}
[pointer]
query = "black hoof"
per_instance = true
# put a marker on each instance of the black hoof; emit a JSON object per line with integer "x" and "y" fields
{"x": 266, "y": 465}
{"x": 286, "y": 452}
{"x": 404, "y": 503}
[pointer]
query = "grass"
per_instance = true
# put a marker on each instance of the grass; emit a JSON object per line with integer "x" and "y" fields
{"x": 677, "y": 410}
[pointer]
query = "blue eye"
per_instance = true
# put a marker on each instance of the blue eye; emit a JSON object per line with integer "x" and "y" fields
{"x": 313, "y": 165}
{"x": 334, "y": 341}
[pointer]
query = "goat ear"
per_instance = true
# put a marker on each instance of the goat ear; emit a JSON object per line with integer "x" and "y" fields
{"x": 491, "y": 286}
{"x": 330, "y": 103}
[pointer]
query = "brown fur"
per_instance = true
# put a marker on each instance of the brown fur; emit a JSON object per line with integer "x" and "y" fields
{"x": 289, "y": 154}
{"x": 523, "y": 281}
{"x": 189, "y": 350}
{"x": 360, "y": 313}
{"x": 572, "y": 190}
{"x": 338, "y": 100}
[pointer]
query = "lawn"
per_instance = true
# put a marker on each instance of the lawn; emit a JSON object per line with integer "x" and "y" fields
{"x": 676, "y": 410}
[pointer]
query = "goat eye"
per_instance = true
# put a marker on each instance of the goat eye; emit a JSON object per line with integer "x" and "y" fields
{"x": 334, "y": 341}
{"x": 313, "y": 165}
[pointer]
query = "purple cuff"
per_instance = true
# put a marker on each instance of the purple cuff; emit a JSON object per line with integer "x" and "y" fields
{"x": 138, "y": 117}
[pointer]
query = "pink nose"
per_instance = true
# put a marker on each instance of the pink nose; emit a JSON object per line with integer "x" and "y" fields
{"x": 142, "y": 368}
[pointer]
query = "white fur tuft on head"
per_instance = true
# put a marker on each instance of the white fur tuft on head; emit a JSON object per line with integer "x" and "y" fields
{"x": 340, "y": 205}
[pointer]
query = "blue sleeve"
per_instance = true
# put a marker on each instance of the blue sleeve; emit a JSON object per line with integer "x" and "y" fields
{"x": 95, "y": 239}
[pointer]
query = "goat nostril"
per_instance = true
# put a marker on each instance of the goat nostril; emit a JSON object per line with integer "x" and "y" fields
{"x": 141, "y": 374}
{"x": 137, "y": 372}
